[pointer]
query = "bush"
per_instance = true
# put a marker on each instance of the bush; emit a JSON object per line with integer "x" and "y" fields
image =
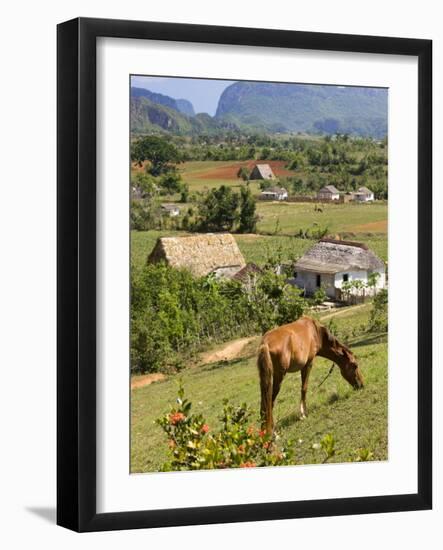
{"x": 378, "y": 321}
{"x": 143, "y": 215}
{"x": 319, "y": 296}
{"x": 174, "y": 315}
{"x": 193, "y": 445}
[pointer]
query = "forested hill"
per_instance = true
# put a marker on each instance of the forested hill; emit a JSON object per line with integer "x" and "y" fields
{"x": 306, "y": 108}
{"x": 269, "y": 108}
{"x": 180, "y": 105}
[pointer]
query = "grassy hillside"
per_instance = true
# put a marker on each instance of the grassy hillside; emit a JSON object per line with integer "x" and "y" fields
{"x": 356, "y": 419}
{"x": 277, "y": 107}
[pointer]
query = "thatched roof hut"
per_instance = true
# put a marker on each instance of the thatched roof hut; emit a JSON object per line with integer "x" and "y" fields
{"x": 334, "y": 256}
{"x": 200, "y": 254}
{"x": 262, "y": 172}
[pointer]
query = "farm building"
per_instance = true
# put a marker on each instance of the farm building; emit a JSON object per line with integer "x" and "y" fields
{"x": 363, "y": 195}
{"x": 328, "y": 193}
{"x": 262, "y": 172}
{"x": 274, "y": 194}
{"x": 250, "y": 270}
{"x": 171, "y": 210}
{"x": 330, "y": 263}
{"x": 201, "y": 254}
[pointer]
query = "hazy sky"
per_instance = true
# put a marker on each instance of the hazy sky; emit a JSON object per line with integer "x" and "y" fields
{"x": 203, "y": 94}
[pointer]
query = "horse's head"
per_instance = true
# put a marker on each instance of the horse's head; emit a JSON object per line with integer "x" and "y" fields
{"x": 349, "y": 368}
{"x": 342, "y": 356}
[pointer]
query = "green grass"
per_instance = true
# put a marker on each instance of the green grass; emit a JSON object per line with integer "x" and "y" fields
{"x": 356, "y": 419}
{"x": 337, "y": 217}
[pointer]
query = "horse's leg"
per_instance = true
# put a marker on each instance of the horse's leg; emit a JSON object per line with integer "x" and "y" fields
{"x": 278, "y": 379}
{"x": 306, "y": 370}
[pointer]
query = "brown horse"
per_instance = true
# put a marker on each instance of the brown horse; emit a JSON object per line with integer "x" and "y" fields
{"x": 292, "y": 348}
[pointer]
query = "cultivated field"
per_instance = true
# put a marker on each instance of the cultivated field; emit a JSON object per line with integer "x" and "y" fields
{"x": 280, "y": 221}
{"x": 207, "y": 174}
{"x": 356, "y": 419}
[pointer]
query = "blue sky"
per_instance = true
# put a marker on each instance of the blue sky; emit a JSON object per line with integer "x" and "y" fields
{"x": 203, "y": 94}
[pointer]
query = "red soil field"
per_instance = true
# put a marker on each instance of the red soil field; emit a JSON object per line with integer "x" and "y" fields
{"x": 230, "y": 172}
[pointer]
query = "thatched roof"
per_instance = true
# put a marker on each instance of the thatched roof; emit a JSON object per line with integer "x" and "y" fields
{"x": 332, "y": 256}
{"x": 262, "y": 171}
{"x": 329, "y": 189}
{"x": 250, "y": 269}
{"x": 200, "y": 254}
{"x": 364, "y": 190}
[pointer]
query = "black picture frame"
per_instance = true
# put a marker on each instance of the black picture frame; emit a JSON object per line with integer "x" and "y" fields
{"x": 76, "y": 265}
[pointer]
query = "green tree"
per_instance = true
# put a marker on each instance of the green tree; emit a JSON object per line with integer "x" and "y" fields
{"x": 248, "y": 217}
{"x": 171, "y": 182}
{"x": 378, "y": 321}
{"x": 243, "y": 173}
{"x": 161, "y": 154}
{"x": 146, "y": 183}
{"x": 218, "y": 211}
{"x": 184, "y": 193}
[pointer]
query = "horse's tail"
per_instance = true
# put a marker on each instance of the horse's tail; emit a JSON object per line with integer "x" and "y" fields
{"x": 265, "y": 369}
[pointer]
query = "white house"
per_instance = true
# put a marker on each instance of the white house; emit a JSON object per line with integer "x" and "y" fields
{"x": 274, "y": 194}
{"x": 363, "y": 195}
{"x": 330, "y": 263}
{"x": 171, "y": 210}
{"x": 328, "y": 193}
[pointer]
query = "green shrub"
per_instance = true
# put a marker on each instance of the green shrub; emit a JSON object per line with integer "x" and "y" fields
{"x": 193, "y": 445}
{"x": 319, "y": 296}
{"x": 378, "y": 321}
{"x": 174, "y": 315}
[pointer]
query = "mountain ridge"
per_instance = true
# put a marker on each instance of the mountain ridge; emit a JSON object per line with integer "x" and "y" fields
{"x": 268, "y": 108}
{"x": 306, "y": 108}
{"x": 183, "y": 106}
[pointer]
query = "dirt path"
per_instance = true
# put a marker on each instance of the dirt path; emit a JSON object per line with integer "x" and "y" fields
{"x": 341, "y": 311}
{"x": 227, "y": 352}
{"x": 146, "y": 379}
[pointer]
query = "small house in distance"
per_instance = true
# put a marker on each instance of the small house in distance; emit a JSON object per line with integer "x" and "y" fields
{"x": 330, "y": 263}
{"x": 328, "y": 193}
{"x": 363, "y": 195}
{"x": 274, "y": 194}
{"x": 216, "y": 253}
{"x": 171, "y": 210}
{"x": 262, "y": 172}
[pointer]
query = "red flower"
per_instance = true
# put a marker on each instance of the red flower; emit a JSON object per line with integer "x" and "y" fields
{"x": 248, "y": 465}
{"x": 205, "y": 428}
{"x": 175, "y": 418}
{"x": 262, "y": 433}
{"x": 266, "y": 444}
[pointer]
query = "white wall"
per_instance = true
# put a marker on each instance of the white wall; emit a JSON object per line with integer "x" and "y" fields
{"x": 27, "y": 404}
{"x": 353, "y": 275}
{"x": 308, "y": 281}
